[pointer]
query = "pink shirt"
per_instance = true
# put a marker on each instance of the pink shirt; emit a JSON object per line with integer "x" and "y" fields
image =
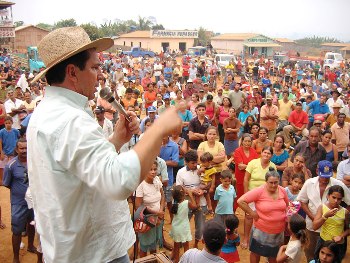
{"x": 272, "y": 213}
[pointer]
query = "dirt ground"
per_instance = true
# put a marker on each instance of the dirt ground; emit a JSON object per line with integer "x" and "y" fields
{"x": 26, "y": 257}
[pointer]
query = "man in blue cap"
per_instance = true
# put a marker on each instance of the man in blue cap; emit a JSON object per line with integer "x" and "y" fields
{"x": 166, "y": 105}
{"x": 152, "y": 115}
{"x": 313, "y": 194}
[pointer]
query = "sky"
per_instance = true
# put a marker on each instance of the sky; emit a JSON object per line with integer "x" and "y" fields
{"x": 274, "y": 18}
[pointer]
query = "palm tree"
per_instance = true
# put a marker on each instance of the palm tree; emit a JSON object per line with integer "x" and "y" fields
{"x": 144, "y": 23}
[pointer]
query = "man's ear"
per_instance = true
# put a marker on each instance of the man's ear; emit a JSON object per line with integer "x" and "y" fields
{"x": 71, "y": 72}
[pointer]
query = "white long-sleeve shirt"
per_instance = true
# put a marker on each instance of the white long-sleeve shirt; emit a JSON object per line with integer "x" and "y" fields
{"x": 78, "y": 182}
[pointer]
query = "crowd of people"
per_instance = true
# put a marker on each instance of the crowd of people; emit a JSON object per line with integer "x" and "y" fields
{"x": 268, "y": 144}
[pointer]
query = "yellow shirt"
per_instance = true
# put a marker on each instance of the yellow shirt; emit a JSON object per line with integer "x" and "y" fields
{"x": 284, "y": 109}
{"x": 207, "y": 176}
{"x": 218, "y": 147}
{"x": 257, "y": 173}
{"x": 333, "y": 226}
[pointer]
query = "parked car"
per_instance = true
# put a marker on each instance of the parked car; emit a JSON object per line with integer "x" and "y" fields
{"x": 138, "y": 52}
{"x": 332, "y": 60}
{"x": 224, "y": 59}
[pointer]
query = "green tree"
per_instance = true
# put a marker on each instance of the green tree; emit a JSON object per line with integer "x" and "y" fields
{"x": 316, "y": 41}
{"x": 91, "y": 30}
{"x": 158, "y": 27}
{"x": 18, "y": 23}
{"x": 65, "y": 23}
{"x": 203, "y": 37}
{"x": 109, "y": 29}
{"x": 144, "y": 23}
{"x": 45, "y": 26}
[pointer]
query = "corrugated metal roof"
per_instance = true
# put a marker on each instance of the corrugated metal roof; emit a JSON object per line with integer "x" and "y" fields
{"x": 334, "y": 44}
{"x": 346, "y": 48}
{"x": 234, "y": 36}
{"x": 137, "y": 34}
{"x": 284, "y": 40}
{"x": 27, "y": 26}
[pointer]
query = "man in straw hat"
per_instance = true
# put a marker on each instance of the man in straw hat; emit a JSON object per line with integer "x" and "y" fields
{"x": 79, "y": 182}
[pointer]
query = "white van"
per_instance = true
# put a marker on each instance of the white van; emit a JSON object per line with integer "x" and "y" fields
{"x": 224, "y": 59}
{"x": 332, "y": 60}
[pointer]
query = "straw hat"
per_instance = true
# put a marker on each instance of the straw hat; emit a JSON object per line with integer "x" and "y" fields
{"x": 64, "y": 43}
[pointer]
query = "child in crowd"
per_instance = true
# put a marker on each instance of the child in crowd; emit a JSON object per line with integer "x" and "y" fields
{"x": 293, "y": 189}
{"x": 229, "y": 250}
{"x": 8, "y": 139}
{"x": 292, "y": 252}
{"x": 225, "y": 194}
{"x": 243, "y": 115}
{"x": 207, "y": 178}
{"x": 295, "y": 184}
{"x": 333, "y": 220}
{"x": 253, "y": 110}
{"x": 247, "y": 128}
{"x": 327, "y": 253}
{"x": 180, "y": 226}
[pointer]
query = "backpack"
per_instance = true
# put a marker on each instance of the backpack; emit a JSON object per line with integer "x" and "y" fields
{"x": 144, "y": 220}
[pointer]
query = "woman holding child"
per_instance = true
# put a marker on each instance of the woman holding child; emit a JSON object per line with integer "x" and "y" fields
{"x": 217, "y": 149}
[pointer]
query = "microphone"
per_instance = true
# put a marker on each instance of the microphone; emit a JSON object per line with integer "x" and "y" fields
{"x": 106, "y": 95}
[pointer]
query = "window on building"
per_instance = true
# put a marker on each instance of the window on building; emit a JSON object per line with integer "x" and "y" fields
{"x": 165, "y": 46}
{"x": 124, "y": 43}
{"x": 182, "y": 46}
{"x": 140, "y": 44}
{"x": 131, "y": 44}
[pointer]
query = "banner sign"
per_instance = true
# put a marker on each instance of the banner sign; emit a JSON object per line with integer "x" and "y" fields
{"x": 174, "y": 34}
{"x": 7, "y": 32}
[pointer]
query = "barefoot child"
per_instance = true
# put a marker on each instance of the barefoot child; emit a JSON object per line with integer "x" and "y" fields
{"x": 225, "y": 193}
{"x": 333, "y": 220}
{"x": 292, "y": 252}
{"x": 207, "y": 178}
{"x": 180, "y": 226}
{"x": 229, "y": 250}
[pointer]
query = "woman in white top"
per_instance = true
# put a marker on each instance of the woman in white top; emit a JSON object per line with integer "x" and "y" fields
{"x": 150, "y": 194}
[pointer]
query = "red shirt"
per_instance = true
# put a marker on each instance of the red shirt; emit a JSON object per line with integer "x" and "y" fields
{"x": 298, "y": 118}
{"x": 185, "y": 68}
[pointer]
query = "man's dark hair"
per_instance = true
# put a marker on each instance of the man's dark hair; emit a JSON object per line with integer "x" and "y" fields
{"x": 191, "y": 156}
{"x": 57, "y": 73}
{"x": 129, "y": 90}
{"x": 201, "y": 105}
{"x": 20, "y": 140}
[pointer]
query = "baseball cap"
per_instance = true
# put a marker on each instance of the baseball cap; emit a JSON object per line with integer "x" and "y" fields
{"x": 189, "y": 81}
{"x": 166, "y": 96}
{"x": 214, "y": 235}
{"x": 298, "y": 103}
{"x": 269, "y": 97}
{"x": 255, "y": 87}
{"x": 325, "y": 169}
{"x": 151, "y": 109}
{"x": 205, "y": 83}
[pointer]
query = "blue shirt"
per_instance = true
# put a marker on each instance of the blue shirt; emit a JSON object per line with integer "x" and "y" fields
{"x": 167, "y": 72}
{"x": 15, "y": 179}
{"x": 9, "y": 140}
{"x": 226, "y": 198}
{"x": 170, "y": 152}
{"x": 317, "y": 108}
{"x": 187, "y": 117}
{"x": 242, "y": 118}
